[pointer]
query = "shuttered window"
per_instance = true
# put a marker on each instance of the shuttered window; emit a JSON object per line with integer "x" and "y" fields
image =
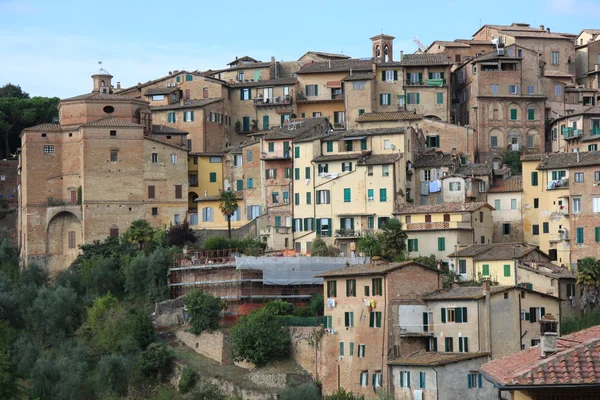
{"x": 507, "y": 270}
{"x": 485, "y": 270}
{"x": 151, "y": 192}
{"x": 347, "y": 195}
{"x": 441, "y": 244}
{"x": 178, "y": 191}
{"x": 71, "y": 239}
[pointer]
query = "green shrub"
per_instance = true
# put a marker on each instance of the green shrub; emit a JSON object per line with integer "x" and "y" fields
{"x": 205, "y": 311}
{"x": 215, "y": 243}
{"x": 587, "y": 320}
{"x": 317, "y": 304}
{"x": 278, "y": 307}
{"x": 302, "y": 392}
{"x": 206, "y": 392}
{"x": 303, "y": 312}
{"x": 187, "y": 380}
{"x": 341, "y": 394}
{"x": 156, "y": 359}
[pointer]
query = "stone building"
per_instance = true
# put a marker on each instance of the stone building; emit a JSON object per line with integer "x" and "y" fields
{"x": 576, "y": 131}
{"x": 87, "y": 177}
{"x": 506, "y": 196}
{"x": 460, "y": 50}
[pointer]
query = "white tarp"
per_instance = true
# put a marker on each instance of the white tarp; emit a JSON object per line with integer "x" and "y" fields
{"x": 295, "y": 270}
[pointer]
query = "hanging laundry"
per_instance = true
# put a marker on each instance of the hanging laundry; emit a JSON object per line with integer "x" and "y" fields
{"x": 372, "y": 303}
{"x": 366, "y": 302}
{"x": 435, "y": 186}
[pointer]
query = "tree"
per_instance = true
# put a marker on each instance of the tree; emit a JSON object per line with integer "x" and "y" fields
{"x": 393, "y": 239}
{"x": 588, "y": 276}
{"x": 228, "y": 207}
{"x": 8, "y": 379}
{"x": 317, "y": 304}
{"x": 140, "y": 232}
{"x": 259, "y": 337}
{"x": 369, "y": 245}
{"x": 429, "y": 261}
{"x": 513, "y": 160}
{"x": 303, "y": 392}
{"x": 10, "y": 90}
{"x": 205, "y": 311}
{"x": 156, "y": 359}
{"x": 179, "y": 235}
{"x": 320, "y": 249}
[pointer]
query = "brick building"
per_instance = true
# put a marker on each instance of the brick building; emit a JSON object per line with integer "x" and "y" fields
{"x": 89, "y": 176}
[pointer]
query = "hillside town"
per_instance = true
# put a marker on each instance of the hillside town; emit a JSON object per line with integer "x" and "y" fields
{"x": 441, "y": 202}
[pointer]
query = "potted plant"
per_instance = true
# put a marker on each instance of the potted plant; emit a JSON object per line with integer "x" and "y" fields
{"x": 254, "y": 125}
{"x": 238, "y": 126}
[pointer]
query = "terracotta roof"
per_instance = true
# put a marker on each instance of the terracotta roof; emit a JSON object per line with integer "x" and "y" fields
{"x": 496, "y": 251}
{"x": 448, "y": 44}
{"x": 336, "y": 66}
{"x": 493, "y": 55}
{"x": 237, "y": 196}
{"x": 590, "y": 138}
{"x": 359, "y": 76}
{"x": 557, "y": 74}
{"x": 299, "y": 128}
{"x": 207, "y": 154}
{"x": 327, "y": 55}
{"x": 569, "y": 160}
{"x": 531, "y": 157}
{"x": 534, "y": 34}
{"x": 102, "y": 97}
{"x": 187, "y": 104}
{"x": 389, "y": 116}
{"x": 381, "y": 159}
{"x": 465, "y": 292}
{"x": 432, "y": 359}
{"x": 418, "y": 60}
{"x": 170, "y": 76}
{"x": 443, "y": 208}
{"x": 244, "y": 58}
{"x": 474, "y": 169}
{"x": 502, "y": 171}
{"x": 113, "y": 122}
{"x": 270, "y": 82}
{"x": 547, "y": 269}
{"x": 435, "y": 159}
{"x": 338, "y": 157}
{"x": 512, "y": 184}
{"x": 576, "y": 362}
{"x": 168, "y": 143}
{"x": 237, "y": 67}
{"x": 474, "y": 42}
{"x": 158, "y": 91}
{"x": 167, "y": 130}
{"x": 379, "y": 267}
{"x": 373, "y": 132}
{"x": 45, "y": 127}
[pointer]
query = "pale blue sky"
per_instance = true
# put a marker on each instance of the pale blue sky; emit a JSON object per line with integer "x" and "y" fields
{"x": 51, "y": 47}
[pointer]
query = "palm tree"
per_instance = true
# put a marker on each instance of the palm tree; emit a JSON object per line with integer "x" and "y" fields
{"x": 228, "y": 207}
{"x": 588, "y": 276}
{"x": 393, "y": 239}
{"x": 140, "y": 232}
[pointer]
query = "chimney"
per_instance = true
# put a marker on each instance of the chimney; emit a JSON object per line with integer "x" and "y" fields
{"x": 329, "y": 63}
{"x": 548, "y": 30}
{"x": 485, "y": 284}
{"x": 548, "y": 335}
{"x": 401, "y": 55}
{"x": 542, "y": 27}
{"x": 350, "y": 71}
{"x": 118, "y": 85}
{"x": 170, "y": 72}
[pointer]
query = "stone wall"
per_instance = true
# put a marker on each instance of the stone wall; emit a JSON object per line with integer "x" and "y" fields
{"x": 303, "y": 350}
{"x": 250, "y": 229}
{"x": 213, "y": 345}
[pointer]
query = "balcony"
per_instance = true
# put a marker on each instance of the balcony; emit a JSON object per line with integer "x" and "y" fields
{"x": 339, "y": 125}
{"x": 595, "y": 131}
{"x": 433, "y": 226}
{"x": 280, "y": 230}
{"x": 273, "y": 101}
{"x": 339, "y": 233}
{"x": 302, "y": 99}
{"x": 563, "y": 183}
{"x": 572, "y": 133}
{"x": 275, "y": 155}
{"x": 416, "y": 330}
{"x": 436, "y": 82}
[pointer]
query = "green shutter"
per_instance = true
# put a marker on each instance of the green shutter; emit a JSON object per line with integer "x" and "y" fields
{"x": 381, "y": 99}
{"x": 347, "y": 195}
{"x": 534, "y": 178}
{"x": 297, "y": 199}
{"x": 486, "y": 270}
{"x": 513, "y": 114}
{"x": 297, "y": 173}
{"x": 531, "y": 114}
{"x": 543, "y": 311}
{"x": 370, "y": 193}
{"x": 420, "y": 78}
{"x": 418, "y": 98}
{"x": 329, "y": 147}
{"x": 464, "y": 314}
{"x": 318, "y": 226}
{"x": 363, "y": 144}
{"x": 191, "y": 116}
{"x": 597, "y": 234}
{"x": 351, "y": 348}
{"x": 308, "y": 199}
{"x": 184, "y": 116}
{"x": 265, "y": 122}
{"x": 507, "y": 270}
{"x": 416, "y": 245}
{"x": 239, "y": 185}
{"x": 382, "y": 195}
{"x": 378, "y": 319}
{"x": 213, "y": 176}
{"x": 307, "y": 173}
{"x": 371, "y": 319}
{"x": 579, "y": 235}
{"x": 271, "y": 147}
{"x": 460, "y": 345}
{"x": 341, "y": 348}
{"x": 441, "y": 244}
{"x": 443, "y": 315}
{"x": 469, "y": 383}
{"x": 330, "y": 227}
{"x": 458, "y": 315}
{"x": 430, "y": 75}
{"x": 440, "y": 97}
{"x": 277, "y": 221}
{"x": 297, "y": 152}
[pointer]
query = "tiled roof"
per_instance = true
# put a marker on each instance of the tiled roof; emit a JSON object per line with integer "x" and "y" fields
{"x": 531, "y": 157}
{"x": 569, "y": 160}
{"x": 474, "y": 42}
{"x": 359, "y": 76}
{"x": 206, "y": 154}
{"x": 296, "y": 128}
{"x": 389, "y": 116}
{"x": 512, "y": 184}
{"x": 448, "y": 44}
{"x": 547, "y": 269}
{"x": 336, "y": 66}
{"x": 237, "y": 67}
{"x": 381, "y": 159}
{"x": 591, "y": 138}
{"x": 167, "y": 130}
{"x": 237, "y": 149}
{"x": 373, "y": 132}
{"x": 435, "y": 159}
{"x": 270, "y": 82}
{"x": 158, "y": 91}
{"x": 338, "y": 157}
{"x": 101, "y": 97}
{"x": 474, "y": 169}
{"x": 495, "y": 251}
{"x": 465, "y": 292}
{"x": 237, "y": 195}
{"x": 534, "y": 34}
{"x": 432, "y": 359}
{"x": 244, "y": 58}
{"x": 45, "y": 127}
{"x": 187, "y": 104}
{"x": 443, "y": 208}
{"x": 557, "y": 74}
{"x": 493, "y": 55}
{"x": 576, "y": 362}
{"x": 113, "y": 122}
{"x": 378, "y": 267}
{"x": 327, "y": 55}
{"x": 502, "y": 171}
{"x": 180, "y": 146}
{"x": 418, "y": 60}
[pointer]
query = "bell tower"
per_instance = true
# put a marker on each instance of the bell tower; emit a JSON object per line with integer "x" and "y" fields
{"x": 383, "y": 48}
{"x": 102, "y": 81}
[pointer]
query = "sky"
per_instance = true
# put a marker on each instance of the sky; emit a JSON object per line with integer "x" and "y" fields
{"x": 51, "y": 47}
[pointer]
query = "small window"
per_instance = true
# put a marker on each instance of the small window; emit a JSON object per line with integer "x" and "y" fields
{"x": 154, "y": 211}
{"x": 109, "y": 109}
{"x": 113, "y": 133}
{"x": 173, "y": 158}
{"x": 178, "y": 191}
{"x": 154, "y": 158}
{"x": 49, "y": 149}
{"x": 72, "y": 239}
{"x": 114, "y": 155}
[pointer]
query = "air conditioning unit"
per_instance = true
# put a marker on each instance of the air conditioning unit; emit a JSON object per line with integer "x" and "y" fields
{"x": 564, "y": 233}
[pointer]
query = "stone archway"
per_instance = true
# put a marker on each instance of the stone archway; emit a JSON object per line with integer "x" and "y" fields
{"x": 64, "y": 235}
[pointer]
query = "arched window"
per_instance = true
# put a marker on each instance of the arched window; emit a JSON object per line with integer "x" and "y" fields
{"x": 377, "y": 51}
{"x": 102, "y": 83}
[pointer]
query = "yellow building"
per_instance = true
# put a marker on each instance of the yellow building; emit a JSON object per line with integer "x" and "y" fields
{"x": 546, "y": 209}
{"x": 210, "y": 217}
{"x": 348, "y": 184}
{"x": 436, "y": 229}
{"x": 205, "y": 176}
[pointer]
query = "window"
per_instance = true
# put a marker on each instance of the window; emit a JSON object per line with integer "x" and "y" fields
{"x": 412, "y": 98}
{"x": 275, "y": 197}
{"x": 154, "y": 158}
{"x": 361, "y": 111}
{"x": 494, "y": 88}
{"x": 382, "y": 195}
{"x": 297, "y": 224}
{"x": 358, "y": 85}
{"x": 177, "y": 219}
{"x": 250, "y": 183}
{"x": 536, "y": 203}
{"x": 341, "y": 348}
{"x": 350, "y": 287}
{"x": 331, "y": 289}
{"x": 214, "y": 159}
{"x": 347, "y": 167}
{"x": 485, "y": 270}
{"x": 249, "y": 156}
{"x": 207, "y": 214}
{"x": 349, "y": 319}
{"x": 114, "y": 155}
{"x": 245, "y": 94}
{"x": 578, "y": 177}
{"x": 287, "y": 172}
{"x": 579, "y": 236}
{"x": 513, "y": 89}
{"x": 323, "y": 197}
{"x": 506, "y": 229}
{"x": 385, "y": 170}
{"x": 188, "y": 116}
{"x": 71, "y": 238}
{"x": 534, "y": 178}
{"x": 421, "y": 380}
{"x": 506, "y": 270}
{"x": 312, "y": 90}
{"x": 329, "y": 147}
{"x": 535, "y": 230}
{"x": 171, "y": 117}
{"x": 432, "y": 141}
{"x": 497, "y": 204}
{"x": 570, "y": 290}
{"x": 237, "y": 160}
{"x": 414, "y": 77}
{"x": 441, "y": 244}
{"x": 271, "y": 173}
{"x": 493, "y": 141}
{"x": 390, "y": 75}
{"x": 375, "y": 319}
{"x": 535, "y": 313}
{"x": 405, "y": 379}
{"x": 361, "y": 350}
{"x": 364, "y": 377}
{"x": 530, "y": 90}
{"x": 158, "y": 97}
{"x": 576, "y": 205}
{"x": 513, "y": 114}
{"x": 592, "y": 147}
{"x": 462, "y": 267}
{"x": 474, "y": 380}
{"x": 213, "y": 177}
{"x": 413, "y": 245}
{"x": 114, "y": 231}
{"x": 449, "y": 345}
{"x": 387, "y": 144}
{"x": 178, "y": 191}
{"x": 113, "y": 133}
{"x": 173, "y": 158}
{"x": 454, "y": 186}
{"x": 151, "y": 191}
{"x": 558, "y": 90}
{"x": 347, "y": 195}
{"x": 239, "y": 184}
{"x": 377, "y": 284}
{"x": 385, "y": 99}
{"x": 554, "y": 57}
{"x": 440, "y": 98}
{"x": 530, "y": 114}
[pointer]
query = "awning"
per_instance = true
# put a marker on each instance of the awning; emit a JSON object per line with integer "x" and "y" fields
{"x": 334, "y": 84}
